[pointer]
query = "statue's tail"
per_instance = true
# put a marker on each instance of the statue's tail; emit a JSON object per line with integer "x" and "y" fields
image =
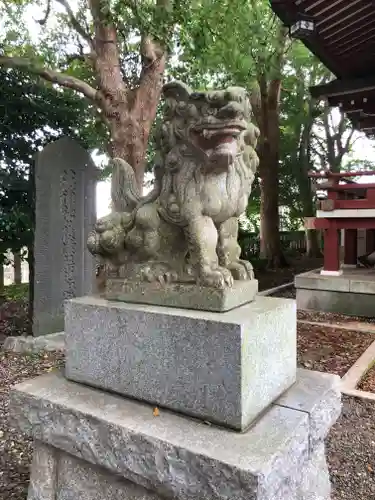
{"x": 124, "y": 190}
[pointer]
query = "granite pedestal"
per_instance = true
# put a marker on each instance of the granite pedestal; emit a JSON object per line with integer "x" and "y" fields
{"x": 226, "y": 368}
{"x": 93, "y": 445}
{"x": 210, "y": 375}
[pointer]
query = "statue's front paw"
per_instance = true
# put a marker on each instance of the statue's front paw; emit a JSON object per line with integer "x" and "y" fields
{"x": 112, "y": 240}
{"x": 108, "y": 222}
{"x": 93, "y": 243}
{"x": 216, "y": 278}
{"x": 241, "y": 270}
{"x": 162, "y": 276}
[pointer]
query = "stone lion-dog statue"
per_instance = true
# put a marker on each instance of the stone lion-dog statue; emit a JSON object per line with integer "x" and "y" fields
{"x": 185, "y": 230}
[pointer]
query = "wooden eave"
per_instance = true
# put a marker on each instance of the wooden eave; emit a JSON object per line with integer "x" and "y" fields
{"x": 345, "y": 32}
{"x": 354, "y": 97}
{"x": 345, "y": 42}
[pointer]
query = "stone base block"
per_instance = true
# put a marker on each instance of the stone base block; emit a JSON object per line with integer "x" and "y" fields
{"x": 352, "y": 293}
{"x": 185, "y": 295}
{"x": 51, "y": 342}
{"x": 93, "y": 445}
{"x": 226, "y": 368}
{"x": 336, "y": 302}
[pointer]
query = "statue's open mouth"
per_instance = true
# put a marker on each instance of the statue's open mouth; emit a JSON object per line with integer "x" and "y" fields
{"x": 211, "y": 136}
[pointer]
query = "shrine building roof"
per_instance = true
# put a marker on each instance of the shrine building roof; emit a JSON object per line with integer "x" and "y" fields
{"x": 343, "y": 38}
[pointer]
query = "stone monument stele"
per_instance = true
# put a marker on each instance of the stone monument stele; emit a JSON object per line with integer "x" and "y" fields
{"x": 180, "y": 327}
{"x": 65, "y": 211}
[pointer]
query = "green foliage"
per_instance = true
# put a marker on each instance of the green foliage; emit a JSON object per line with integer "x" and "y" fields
{"x": 15, "y": 292}
{"x": 229, "y": 41}
{"x": 354, "y": 165}
{"x": 31, "y": 115}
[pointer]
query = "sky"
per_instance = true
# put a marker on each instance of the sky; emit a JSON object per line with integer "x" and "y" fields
{"x": 103, "y": 198}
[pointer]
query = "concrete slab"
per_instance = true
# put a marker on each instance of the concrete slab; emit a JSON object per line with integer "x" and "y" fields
{"x": 362, "y": 286}
{"x": 359, "y": 369}
{"x": 313, "y": 280}
{"x": 35, "y": 345}
{"x": 351, "y": 304}
{"x": 352, "y": 293}
{"x": 359, "y": 326}
{"x": 355, "y": 393}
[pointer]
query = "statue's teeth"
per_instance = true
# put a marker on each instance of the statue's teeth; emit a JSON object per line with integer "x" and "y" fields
{"x": 207, "y": 134}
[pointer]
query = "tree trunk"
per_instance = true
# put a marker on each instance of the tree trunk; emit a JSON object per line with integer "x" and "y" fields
{"x": 306, "y": 193}
{"x": 129, "y": 112}
{"x": 312, "y": 240}
{"x": 308, "y": 210}
{"x": 312, "y": 243}
{"x": 270, "y": 246}
{"x": 128, "y": 108}
{"x": 30, "y": 260}
{"x": 130, "y": 128}
{"x": 1, "y": 276}
{"x": 30, "y": 249}
{"x": 269, "y": 212}
{"x": 17, "y": 266}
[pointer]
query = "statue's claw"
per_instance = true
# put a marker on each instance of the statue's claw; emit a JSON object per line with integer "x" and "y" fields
{"x": 241, "y": 270}
{"x": 217, "y": 278}
{"x": 163, "y": 277}
{"x": 106, "y": 223}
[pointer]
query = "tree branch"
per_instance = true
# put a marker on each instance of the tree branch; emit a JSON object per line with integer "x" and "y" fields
{"x": 320, "y": 141}
{"x": 349, "y": 143}
{"x": 43, "y": 21}
{"x": 74, "y": 22}
{"x": 106, "y": 48}
{"x": 62, "y": 79}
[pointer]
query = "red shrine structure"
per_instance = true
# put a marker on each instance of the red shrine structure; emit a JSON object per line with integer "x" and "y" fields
{"x": 342, "y": 35}
{"x": 347, "y": 208}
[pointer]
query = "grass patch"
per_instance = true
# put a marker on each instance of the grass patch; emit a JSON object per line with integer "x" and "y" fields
{"x": 15, "y": 292}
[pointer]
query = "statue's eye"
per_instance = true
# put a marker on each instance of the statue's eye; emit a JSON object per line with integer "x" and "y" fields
{"x": 197, "y": 95}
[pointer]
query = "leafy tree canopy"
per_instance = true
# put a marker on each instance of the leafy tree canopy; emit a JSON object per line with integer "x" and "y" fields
{"x": 31, "y": 115}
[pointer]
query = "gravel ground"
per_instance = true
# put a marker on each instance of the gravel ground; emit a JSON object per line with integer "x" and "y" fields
{"x": 351, "y": 451}
{"x": 368, "y": 381}
{"x": 337, "y": 319}
{"x": 286, "y": 293}
{"x": 15, "y": 448}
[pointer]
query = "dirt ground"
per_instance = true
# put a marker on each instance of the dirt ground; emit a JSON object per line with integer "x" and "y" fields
{"x": 272, "y": 278}
{"x": 368, "y": 381}
{"x": 330, "y": 349}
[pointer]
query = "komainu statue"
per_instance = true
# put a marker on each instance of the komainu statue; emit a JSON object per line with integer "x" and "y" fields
{"x": 185, "y": 230}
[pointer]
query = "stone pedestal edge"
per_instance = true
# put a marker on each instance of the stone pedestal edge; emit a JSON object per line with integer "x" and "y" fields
{"x": 281, "y": 456}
